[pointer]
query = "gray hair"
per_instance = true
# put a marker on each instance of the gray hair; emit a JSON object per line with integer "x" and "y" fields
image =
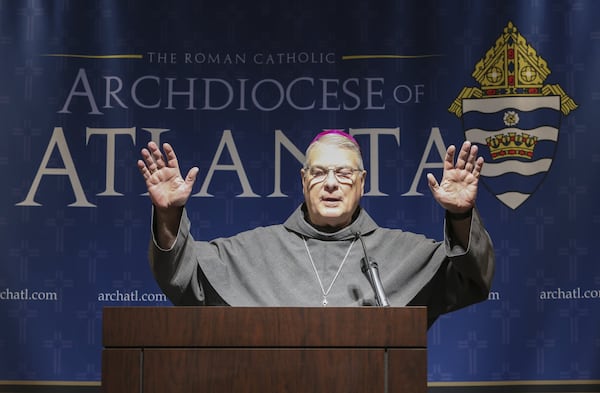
{"x": 335, "y": 140}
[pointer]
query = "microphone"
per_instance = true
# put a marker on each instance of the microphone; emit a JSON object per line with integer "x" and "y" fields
{"x": 370, "y": 269}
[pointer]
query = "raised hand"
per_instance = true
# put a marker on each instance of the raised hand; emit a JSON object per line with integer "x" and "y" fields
{"x": 458, "y": 189}
{"x": 166, "y": 187}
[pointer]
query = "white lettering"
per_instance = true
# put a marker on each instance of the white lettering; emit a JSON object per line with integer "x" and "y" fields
{"x": 282, "y": 140}
{"x": 227, "y": 140}
{"x": 172, "y": 92}
{"x": 113, "y": 93}
{"x": 302, "y": 93}
{"x": 351, "y": 94}
{"x": 207, "y": 94}
{"x": 374, "y": 153}
{"x": 279, "y": 89}
{"x": 134, "y": 95}
{"x": 289, "y": 97}
{"x": 87, "y": 93}
{"x": 58, "y": 151}
{"x": 58, "y": 140}
{"x": 435, "y": 137}
{"x": 111, "y": 134}
{"x": 371, "y": 92}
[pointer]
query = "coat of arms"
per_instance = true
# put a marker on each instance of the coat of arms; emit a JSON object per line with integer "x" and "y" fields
{"x": 513, "y": 116}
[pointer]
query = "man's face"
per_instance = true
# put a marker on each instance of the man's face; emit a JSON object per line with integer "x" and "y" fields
{"x": 331, "y": 202}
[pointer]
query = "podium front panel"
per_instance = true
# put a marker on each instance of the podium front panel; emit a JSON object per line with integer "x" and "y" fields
{"x": 407, "y": 370}
{"x": 252, "y": 349}
{"x": 121, "y": 370}
{"x": 266, "y": 370}
{"x": 264, "y": 326}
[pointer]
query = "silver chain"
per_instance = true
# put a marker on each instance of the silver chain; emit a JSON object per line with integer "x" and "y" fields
{"x": 323, "y": 291}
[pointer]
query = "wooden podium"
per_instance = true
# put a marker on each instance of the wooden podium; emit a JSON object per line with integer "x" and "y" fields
{"x": 264, "y": 350}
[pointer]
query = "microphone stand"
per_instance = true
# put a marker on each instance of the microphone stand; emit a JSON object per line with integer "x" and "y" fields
{"x": 370, "y": 269}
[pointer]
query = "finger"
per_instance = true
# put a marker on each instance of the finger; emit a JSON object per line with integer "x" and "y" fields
{"x": 473, "y": 154}
{"x": 148, "y": 161}
{"x": 171, "y": 156}
{"x": 472, "y": 159}
{"x": 152, "y": 146}
{"x": 478, "y": 167}
{"x": 463, "y": 155}
{"x": 449, "y": 159}
{"x": 143, "y": 169}
{"x": 158, "y": 158}
{"x": 470, "y": 164}
{"x": 432, "y": 182}
{"x": 191, "y": 176}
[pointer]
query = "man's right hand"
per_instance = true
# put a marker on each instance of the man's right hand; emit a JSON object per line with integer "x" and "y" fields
{"x": 168, "y": 190}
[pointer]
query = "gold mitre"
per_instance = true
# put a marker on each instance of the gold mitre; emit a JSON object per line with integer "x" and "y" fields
{"x": 511, "y": 68}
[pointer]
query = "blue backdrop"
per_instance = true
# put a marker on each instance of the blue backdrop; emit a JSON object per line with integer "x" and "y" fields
{"x": 239, "y": 89}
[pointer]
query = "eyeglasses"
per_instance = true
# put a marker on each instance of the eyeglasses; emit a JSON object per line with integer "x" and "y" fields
{"x": 343, "y": 174}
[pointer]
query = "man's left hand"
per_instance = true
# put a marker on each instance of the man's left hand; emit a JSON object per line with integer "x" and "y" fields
{"x": 458, "y": 189}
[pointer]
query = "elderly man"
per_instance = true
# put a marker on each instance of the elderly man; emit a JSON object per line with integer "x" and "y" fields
{"x": 314, "y": 257}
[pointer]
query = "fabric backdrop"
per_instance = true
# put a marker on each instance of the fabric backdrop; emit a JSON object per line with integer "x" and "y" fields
{"x": 239, "y": 89}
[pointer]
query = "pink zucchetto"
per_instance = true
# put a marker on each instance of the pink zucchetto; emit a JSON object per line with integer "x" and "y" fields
{"x": 336, "y": 132}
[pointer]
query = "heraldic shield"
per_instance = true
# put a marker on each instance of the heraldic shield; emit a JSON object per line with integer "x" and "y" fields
{"x": 517, "y": 137}
{"x": 513, "y": 117}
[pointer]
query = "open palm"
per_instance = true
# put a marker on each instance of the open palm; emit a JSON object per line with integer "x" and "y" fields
{"x": 166, "y": 187}
{"x": 457, "y": 190}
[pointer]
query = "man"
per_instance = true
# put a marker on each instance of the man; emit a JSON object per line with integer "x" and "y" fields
{"x": 313, "y": 258}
